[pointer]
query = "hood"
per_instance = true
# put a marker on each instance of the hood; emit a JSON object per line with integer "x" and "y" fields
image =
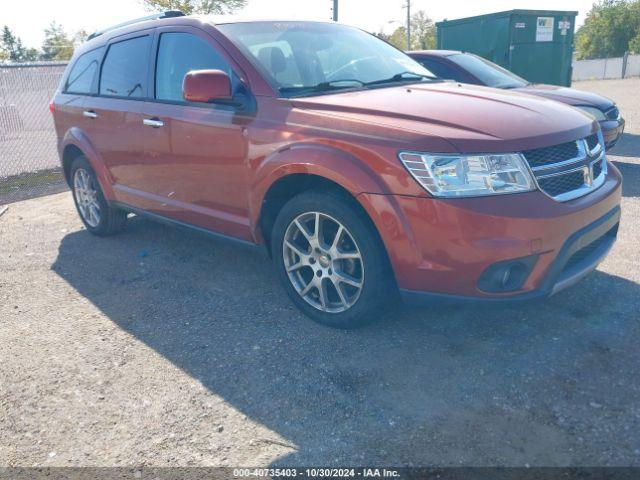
{"x": 471, "y": 118}
{"x": 570, "y": 96}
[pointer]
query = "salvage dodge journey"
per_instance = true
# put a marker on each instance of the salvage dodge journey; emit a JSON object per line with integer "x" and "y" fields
{"x": 364, "y": 176}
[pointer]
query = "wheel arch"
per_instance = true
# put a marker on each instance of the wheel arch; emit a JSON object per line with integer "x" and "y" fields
{"x": 302, "y": 167}
{"x": 74, "y": 144}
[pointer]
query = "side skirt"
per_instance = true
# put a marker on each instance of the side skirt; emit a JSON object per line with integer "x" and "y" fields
{"x": 176, "y": 223}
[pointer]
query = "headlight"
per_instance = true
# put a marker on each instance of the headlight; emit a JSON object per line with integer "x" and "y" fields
{"x": 469, "y": 175}
{"x": 594, "y": 112}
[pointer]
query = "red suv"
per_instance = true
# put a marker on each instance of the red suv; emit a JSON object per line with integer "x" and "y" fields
{"x": 362, "y": 174}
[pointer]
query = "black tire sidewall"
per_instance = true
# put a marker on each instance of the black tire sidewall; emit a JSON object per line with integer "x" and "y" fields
{"x": 378, "y": 286}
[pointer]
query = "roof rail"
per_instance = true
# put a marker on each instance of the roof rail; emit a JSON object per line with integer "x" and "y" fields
{"x": 155, "y": 16}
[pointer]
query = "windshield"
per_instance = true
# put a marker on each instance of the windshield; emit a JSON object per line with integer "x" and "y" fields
{"x": 487, "y": 72}
{"x": 303, "y": 58}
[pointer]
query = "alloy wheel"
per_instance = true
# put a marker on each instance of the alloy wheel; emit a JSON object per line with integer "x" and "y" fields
{"x": 323, "y": 262}
{"x": 86, "y": 195}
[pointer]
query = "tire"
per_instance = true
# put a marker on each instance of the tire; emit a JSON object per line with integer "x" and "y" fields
{"x": 334, "y": 267}
{"x": 95, "y": 212}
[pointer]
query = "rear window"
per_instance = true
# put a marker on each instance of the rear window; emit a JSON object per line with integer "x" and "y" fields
{"x": 83, "y": 72}
{"x": 124, "y": 71}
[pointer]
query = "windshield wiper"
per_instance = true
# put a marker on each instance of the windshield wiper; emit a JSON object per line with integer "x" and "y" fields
{"x": 404, "y": 76}
{"x": 323, "y": 86}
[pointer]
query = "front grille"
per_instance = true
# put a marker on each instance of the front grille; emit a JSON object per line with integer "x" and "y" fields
{"x": 568, "y": 170}
{"x": 592, "y": 141}
{"x": 559, "y": 184}
{"x": 548, "y": 155}
{"x": 587, "y": 251}
{"x": 597, "y": 169}
{"x": 613, "y": 113}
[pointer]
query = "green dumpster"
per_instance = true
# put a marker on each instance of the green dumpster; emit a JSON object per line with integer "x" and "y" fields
{"x": 535, "y": 44}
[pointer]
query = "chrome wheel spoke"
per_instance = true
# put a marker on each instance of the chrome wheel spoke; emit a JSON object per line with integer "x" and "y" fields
{"x": 340, "y": 293}
{"x": 336, "y": 238}
{"x": 316, "y": 227}
{"x": 305, "y": 291}
{"x": 296, "y": 266}
{"x": 296, "y": 249}
{"x": 304, "y": 232}
{"x": 348, "y": 280}
{"x": 322, "y": 295}
{"x": 347, "y": 255}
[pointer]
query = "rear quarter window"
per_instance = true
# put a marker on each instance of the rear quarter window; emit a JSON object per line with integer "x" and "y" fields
{"x": 83, "y": 72}
{"x": 124, "y": 71}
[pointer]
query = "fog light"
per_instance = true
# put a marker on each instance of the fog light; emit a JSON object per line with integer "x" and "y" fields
{"x": 507, "y": 276}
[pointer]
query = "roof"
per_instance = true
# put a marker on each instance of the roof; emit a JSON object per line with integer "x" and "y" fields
{"x": 507, "y": 13}
{"x": 435, "y": 53}
{"x": 224, "y": 19}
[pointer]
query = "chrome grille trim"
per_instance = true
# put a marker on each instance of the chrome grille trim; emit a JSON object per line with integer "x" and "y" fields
{"x": 585, "y": 162}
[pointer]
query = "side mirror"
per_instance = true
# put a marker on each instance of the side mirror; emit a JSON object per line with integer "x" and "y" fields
{"x": 206, "y": 86}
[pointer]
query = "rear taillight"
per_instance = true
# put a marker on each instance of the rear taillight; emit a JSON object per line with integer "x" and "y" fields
{"x": 52, "y": 107}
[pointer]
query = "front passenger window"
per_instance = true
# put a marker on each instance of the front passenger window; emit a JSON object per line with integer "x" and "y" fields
{"x": 178, "y": 54}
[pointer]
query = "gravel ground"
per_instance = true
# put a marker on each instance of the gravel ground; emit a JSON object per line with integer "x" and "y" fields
{"x": 163, "y": 347}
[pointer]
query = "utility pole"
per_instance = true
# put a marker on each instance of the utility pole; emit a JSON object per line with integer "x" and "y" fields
{"x": 335, "y": 10}
{"x": 408, "y": 25}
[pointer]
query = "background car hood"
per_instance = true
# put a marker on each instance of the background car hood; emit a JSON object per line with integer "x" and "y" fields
{"x": 472, "y": 118}
{"x": 570, "y": 96}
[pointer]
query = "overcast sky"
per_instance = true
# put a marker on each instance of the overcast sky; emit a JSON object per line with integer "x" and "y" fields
{"x": 29, "y": 19}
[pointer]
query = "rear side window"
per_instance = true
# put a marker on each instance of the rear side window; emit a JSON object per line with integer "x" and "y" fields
{"x": 83, "y": 72}
{"x": 124, "y": 71}
{"x": 180, "y": 53}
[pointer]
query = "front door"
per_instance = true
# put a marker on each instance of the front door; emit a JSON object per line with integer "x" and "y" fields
{"x": 198, "y": 151}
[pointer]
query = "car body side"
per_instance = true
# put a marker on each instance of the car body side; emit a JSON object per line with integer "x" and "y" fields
{"x": 333, "y": 141}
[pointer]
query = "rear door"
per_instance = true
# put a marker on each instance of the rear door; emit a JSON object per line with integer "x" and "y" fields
{"x": 114, "y": 115}
{"x": 197, "y": 153}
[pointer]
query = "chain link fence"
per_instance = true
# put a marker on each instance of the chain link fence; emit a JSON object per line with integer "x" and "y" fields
{"x": 29, "y": 164}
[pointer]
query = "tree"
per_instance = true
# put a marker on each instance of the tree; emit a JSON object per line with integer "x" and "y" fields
{"x": 57, "y": 44}
{"x": 609, "y": 30}
{"x": 80, "y": 36}
{"x": 634, "y": 44}
{"x": 399, "y": 38}
{"x": 423, "y": 31}
{"x": 196, "y": 6}
{"x": 12, "y": 45}
{"x": 11, "y": 48}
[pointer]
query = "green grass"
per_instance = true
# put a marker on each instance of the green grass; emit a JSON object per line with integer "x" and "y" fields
{"x": 32, "y": 184}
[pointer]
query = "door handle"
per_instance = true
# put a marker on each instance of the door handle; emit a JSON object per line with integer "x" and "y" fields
{"x": 90, "y": 114}
{"x": 153, "y": 122}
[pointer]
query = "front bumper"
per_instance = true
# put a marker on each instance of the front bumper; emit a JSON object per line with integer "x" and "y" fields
{"x": 579, "y": 256}
{"x": 612, "y": 130}
{"x": 440, "y": 248}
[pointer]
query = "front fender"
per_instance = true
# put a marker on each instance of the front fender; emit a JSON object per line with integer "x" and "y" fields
{"x": 76, "y": 137}
{"x": 330, "y": 163}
